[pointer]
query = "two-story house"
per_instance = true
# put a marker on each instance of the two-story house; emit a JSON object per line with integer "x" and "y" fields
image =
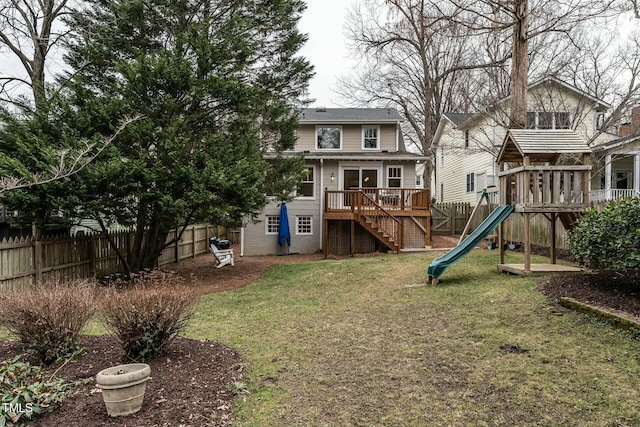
{"x": 616, "y": 172}
{"x": 468, "y": 144}
{"x": 358, "y": 194}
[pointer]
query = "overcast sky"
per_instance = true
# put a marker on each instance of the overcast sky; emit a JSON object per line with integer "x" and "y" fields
{"x": 323, "y": 21}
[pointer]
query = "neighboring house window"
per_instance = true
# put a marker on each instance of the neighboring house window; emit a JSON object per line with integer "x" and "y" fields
{"x": 394, "y": 176}
{"x": 418, "y": 180}
{"x": 441, "y": 156}
{"x": 273, "y": 224}
{"x": 470, "y": 182}
{"x": 548, "y": 120}
{"x": 442, "y": 192}
{"x": 466, "y": 138}
{"x": 304, "y": 224}
{"x": 371, "y": 137}
{"x": 599, "y": 120}
{"x": 545, "y": 120}
{"x": 531, "y": 120}
{"x": 562, "y": 120}
{"x": 307, "y": 187}
{"x": 329, "y": 138}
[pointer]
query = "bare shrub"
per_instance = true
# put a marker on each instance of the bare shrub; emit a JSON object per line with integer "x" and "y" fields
{"x": 48, "y": 317}
{"x": 149, "y": 314}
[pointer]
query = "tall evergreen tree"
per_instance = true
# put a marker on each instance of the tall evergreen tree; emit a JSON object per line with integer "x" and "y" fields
{"x": 216, "y": 83}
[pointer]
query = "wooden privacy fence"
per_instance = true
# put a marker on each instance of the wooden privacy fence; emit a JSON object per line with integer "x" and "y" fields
{"x": 25, "y": 260}
{"x": 540, "y": 227}
{"x": 449, "y": 218}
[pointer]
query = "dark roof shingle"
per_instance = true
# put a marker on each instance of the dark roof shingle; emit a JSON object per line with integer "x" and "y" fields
{"x": 344, "y": 115}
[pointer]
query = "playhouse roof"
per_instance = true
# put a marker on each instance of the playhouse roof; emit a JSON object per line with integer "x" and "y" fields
{"x": 541, "y": 145}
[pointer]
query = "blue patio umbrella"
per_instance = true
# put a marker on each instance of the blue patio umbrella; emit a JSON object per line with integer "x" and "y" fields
{"x": 284, "y": 235}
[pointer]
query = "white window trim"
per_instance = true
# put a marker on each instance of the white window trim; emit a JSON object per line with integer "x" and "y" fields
{"x": 362, "y": 137}
{"x": 554, "y": 125}
{"x": 266, "y": 225}
{"x": 401, "y": 175}
{"x": 310, "y": 225}
{"x": 598, "y": 123}
{"x": 314, "y": 185}
{"x": 328, "y": 126}
{"x": 360, "y": 166}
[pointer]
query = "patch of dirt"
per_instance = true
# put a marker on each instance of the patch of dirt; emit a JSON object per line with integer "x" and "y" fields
{"x": 202, "y": 277}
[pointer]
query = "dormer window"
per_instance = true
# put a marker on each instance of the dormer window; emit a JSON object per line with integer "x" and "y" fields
{"x": 329, "y": 137}
{"x": 548, "y": 120}
{"x": 370, "y": 137}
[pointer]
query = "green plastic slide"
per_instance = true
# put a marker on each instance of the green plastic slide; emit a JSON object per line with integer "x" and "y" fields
{"x": 440, "y": 264}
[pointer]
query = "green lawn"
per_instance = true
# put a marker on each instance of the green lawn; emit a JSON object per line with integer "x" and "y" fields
{"x": 340, "y": 343}
{"x": 354, "y": 342}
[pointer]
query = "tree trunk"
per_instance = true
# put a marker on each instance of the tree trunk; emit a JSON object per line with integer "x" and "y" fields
{"x": 519, "y": 66}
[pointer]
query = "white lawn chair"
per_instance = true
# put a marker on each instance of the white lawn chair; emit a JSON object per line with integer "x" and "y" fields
{"x": 222, "y": 256}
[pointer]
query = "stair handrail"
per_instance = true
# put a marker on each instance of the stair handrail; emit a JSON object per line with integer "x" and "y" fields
{"x": 395, "y": 234}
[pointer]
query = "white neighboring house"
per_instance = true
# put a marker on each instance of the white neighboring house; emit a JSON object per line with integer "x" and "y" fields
{"x": 467, "y": 144}
{"x": 616, "y": 171}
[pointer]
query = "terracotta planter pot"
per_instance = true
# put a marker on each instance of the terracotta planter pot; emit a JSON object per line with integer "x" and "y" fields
{"x": 123, "y": 387}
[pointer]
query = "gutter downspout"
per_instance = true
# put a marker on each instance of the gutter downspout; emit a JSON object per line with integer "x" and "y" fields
{"x": 242, "y": 241}
{"x": 321, "y": 204}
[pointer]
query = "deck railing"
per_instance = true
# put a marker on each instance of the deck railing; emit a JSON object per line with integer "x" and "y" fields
{"x": 389, "y": 198}
{"x": 545, "y": 186}
{"x": 613, "y": 194}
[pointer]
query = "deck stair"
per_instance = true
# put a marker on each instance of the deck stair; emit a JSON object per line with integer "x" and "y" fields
{"x": 380, "y": 223}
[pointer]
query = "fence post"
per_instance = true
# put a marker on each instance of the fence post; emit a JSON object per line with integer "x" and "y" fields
{"x": 177, "y": 246}
{"x": 92, "y": 255}
{"x": 37, "y": 255}
{"x": 193, "y": 241}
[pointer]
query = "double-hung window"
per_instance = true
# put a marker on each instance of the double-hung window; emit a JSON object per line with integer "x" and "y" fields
{"x": 394, "y": 176}
{"x": 471, "y": 177}
{"x": 370, "y": 137}
{"x": 307, "y": 187}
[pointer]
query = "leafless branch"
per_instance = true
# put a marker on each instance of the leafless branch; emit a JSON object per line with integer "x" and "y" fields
{"x": 69, "y": 162}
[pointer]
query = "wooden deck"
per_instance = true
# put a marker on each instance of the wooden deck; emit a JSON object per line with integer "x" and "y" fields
{"x": 397, "y": 217}
{"x": 537, "y": 269}
{"x": 347, "y": 204}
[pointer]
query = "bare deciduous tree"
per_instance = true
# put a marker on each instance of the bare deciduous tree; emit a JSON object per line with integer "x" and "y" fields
{"x": 528, "y": 20}
{"x": 414, "y": 58}
{"x": 27, "y": 32}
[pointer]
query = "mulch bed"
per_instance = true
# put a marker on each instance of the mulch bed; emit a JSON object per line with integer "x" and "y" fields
{"x": 608, "y": 289}
{"x": 191, "y": 383}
